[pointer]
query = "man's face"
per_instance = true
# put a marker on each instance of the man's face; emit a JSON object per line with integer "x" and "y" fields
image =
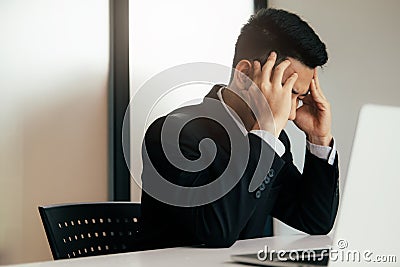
{"x": 302, "y": 86}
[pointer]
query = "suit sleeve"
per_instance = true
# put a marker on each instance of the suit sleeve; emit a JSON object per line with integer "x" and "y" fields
{"x": 220, "y": 223}
{"x": 308, "y": 201}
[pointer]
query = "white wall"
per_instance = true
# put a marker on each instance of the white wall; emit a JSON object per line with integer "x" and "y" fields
{"x": 53, "y": 115}
{"x": 168, "y": 33}
{"x": 363, "y": 41}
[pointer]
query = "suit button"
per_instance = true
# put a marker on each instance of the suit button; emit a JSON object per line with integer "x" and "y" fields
{"x": 258, "y": 194}
{"x": 271, "y": 173}
{"x": 267, "y": 180}
{"x": 262, "y": 187}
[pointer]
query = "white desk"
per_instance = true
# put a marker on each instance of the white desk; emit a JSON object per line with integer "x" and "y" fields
{"x": 192, "y": 257}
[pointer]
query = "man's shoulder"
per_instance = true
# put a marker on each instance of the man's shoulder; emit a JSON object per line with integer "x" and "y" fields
{"x": 191, "y": 121}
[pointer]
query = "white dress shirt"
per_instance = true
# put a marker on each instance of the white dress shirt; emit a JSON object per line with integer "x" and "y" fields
{"x": 323, "y": 152}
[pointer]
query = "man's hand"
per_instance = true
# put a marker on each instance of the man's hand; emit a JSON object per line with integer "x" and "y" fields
{"x": 314, "y": 117}
{"x": 277, "y": 95}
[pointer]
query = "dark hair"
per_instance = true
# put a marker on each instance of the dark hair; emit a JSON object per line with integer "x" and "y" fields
{"x": 283, "y": 32}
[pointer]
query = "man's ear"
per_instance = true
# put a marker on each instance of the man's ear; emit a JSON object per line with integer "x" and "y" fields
{"x": 242, "y": 74}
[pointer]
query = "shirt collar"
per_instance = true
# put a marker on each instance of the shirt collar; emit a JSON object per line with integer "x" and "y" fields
{"x": 231, "y": 112}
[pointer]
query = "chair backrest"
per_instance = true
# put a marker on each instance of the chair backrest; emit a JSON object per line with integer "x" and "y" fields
{"x": 89, "y": 229}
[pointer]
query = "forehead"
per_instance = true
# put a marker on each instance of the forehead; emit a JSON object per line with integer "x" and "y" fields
{"x": 305, "y": 73}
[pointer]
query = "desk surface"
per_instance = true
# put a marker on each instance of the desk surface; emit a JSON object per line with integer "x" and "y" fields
{"x": 193, "y": 257}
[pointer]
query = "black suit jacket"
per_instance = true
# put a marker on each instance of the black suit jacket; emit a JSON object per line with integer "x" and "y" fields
{"x": 307, "y": 201}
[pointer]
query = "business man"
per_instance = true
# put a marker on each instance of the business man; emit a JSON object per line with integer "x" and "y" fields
{"x": 279, "y": 53}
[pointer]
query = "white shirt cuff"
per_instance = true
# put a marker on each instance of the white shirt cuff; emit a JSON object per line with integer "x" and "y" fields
{"x": 323, "y": 152}
{"x": 271, "y": 140}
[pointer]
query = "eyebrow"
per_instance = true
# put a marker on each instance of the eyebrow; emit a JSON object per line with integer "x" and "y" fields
{"x": 296, "y": 92}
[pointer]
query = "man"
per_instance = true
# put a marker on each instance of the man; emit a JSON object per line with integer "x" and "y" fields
{"x": 279, "y": 53}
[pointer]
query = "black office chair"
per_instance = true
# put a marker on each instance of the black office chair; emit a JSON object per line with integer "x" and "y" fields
{"x": 89, "y": 229}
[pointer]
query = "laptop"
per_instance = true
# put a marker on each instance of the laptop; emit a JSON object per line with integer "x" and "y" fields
{"x": 367, "y": 230}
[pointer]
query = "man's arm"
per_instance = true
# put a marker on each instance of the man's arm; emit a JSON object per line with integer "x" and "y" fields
{"x": 308, "y": 201}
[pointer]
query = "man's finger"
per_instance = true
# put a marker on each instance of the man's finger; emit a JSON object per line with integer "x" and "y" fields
{"x": 278, "y": 73}
{"x": 268, "y": 66}
{"x": 315, "y": 93}
{"x": 317, "y": 84}
{"x": 257, "y": 67}
{"x": 256, "y": 72}
{"x": 290, "y": 82}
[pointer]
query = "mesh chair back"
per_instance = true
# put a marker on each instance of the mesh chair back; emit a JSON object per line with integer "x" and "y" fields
{"x": 89, "y": 229}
